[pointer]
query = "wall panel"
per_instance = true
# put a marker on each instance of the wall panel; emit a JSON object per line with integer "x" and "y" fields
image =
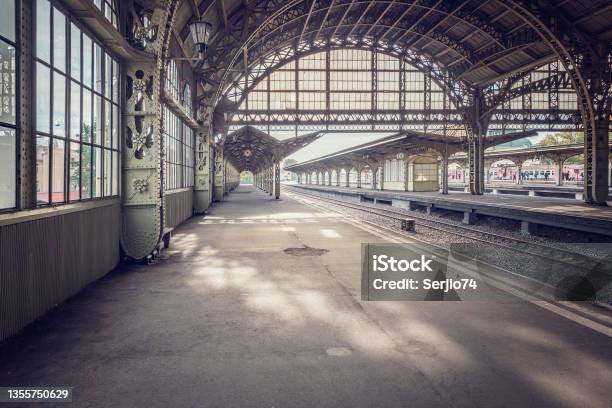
{"x": 179, "y": 206}
{"x": 45, "y": 260}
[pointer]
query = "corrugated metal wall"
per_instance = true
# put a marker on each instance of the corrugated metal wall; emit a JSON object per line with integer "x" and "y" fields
{"x": 45, "y": 261}
{"x": 179, "y": 206}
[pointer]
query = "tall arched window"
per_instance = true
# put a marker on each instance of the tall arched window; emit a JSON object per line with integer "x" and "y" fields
{"x": 352, "y": 79}
{"x": 172, "y": 82}
{"x": 187, "y": 103}
{"x": 177, "y": 135}
{"x": 76, "y": 111}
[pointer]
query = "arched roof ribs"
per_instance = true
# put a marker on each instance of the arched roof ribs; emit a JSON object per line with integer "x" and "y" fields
{"x": 435, "y": 9}
{"x": 447, "y": 43}
{"x": 416, "y": 29}
{"x": 457, "y": 96}
{"x": 498, "y": 40}
{"x": 560, "y": 80}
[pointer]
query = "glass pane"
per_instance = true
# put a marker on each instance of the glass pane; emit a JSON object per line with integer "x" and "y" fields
{"x": 85, "y": 172}
{"x": 7, "y": 83}
{"x": 42, "y": 170}
{"x": 59, "y": 40}
{"x": 115, "y": 173}
{"x": 115, "y": 81}
{"x": 75, "y": 52}
{"x": 97, "y": 120}
{"x": 43, "y": 28}
{"x": 59, "y": 105}
{"x": 7, "y": 21}
{"x": 98, "y": 67}
{"x": 7, "y": 168}
{"x": 74, "y": 171}
{"x": 75, "y": 111}
{"x": 87, "y": 60}
{"x": 96, "y": 172}
{"x": 107, "y": 76}
{"x": 86, "y": 116}
{"x": 107, "y": 123}
{"x": 57, "y": 173}
{"x": 43, "y": 97}
{"x": 115, "y": 127}
{"x": 107, "y": 172}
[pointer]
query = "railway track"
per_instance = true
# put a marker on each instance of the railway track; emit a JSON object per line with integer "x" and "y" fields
{"x": 508, "y": 278}
{"x": 559, "y": 255}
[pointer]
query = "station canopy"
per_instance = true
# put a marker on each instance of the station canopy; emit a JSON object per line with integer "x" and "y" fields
{"x": 251, "y": 149}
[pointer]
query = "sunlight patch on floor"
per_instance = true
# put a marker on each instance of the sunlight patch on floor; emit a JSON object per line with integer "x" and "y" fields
{"x": 329, "y": 233}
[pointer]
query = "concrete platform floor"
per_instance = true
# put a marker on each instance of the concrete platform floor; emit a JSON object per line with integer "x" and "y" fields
{"x": 231, "y": 319}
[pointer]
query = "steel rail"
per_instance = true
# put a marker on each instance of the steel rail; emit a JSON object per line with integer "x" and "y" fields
{"x": 574, "y": 259}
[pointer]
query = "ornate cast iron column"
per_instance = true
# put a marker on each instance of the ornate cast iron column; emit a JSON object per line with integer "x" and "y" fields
{"x": 477, "y": 130}
{"x": 277, "y": 180}
{"x": 559, "y": 160}
{"x": 596, "y": 140}
{"x": 445, "y": 170}
{"x": 142, "y": 153}
{"x": 202, "y": 190}
{"x": 518, "y": 161}
{"x": 487, "y": 171}
{"x": 27, "y": 152}
{"x": 219, "y": 176}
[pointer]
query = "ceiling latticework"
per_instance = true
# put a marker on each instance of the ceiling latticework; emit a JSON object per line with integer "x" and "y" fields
{"x": 474, "y": 42}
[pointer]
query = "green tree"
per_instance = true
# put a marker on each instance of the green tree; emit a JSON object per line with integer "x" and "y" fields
{"x": 289, "y": 162}
{"x": 246, "y": 177}
{"x": 562, "y": 138}
{"x": 565, "y": 138}
{"x": 81, "y": 169}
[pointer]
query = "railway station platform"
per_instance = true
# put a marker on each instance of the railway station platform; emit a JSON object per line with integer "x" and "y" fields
{"x": 257, "y": 304}
{"x": 531, "y": 190}
{"x": 530, "y": 211}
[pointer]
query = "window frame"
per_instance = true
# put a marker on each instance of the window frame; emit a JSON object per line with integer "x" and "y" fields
{"x": 179, "y": 152}
{"x": 15, "y": 127}
{"x": 104, "y": 7}
{"x": 187, "y": 100}
{"x": 349, "y": 80}
{"x": 113, "y": 98}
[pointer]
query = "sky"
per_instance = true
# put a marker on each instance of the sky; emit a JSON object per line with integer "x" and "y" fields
{"x": 333, "y": 142}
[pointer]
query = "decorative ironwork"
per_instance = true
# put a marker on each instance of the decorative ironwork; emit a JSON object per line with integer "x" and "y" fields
{"x": 140, "y": 185}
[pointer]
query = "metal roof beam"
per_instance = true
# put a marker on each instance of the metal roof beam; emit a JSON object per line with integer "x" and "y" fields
{"x": 380, "y": 16}
{"x": 396, "y": 22}
{"x": 361, "y": 16}
{"x": 342, "y": 19}
{"x": 438, "y": 23}
{"x": 323, "y": 21}
{"x": 222, "y": 12}
{"x": 307, "y": 20}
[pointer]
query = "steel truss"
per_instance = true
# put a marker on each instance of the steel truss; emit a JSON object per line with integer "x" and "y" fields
{"x": 483, "y": 50}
